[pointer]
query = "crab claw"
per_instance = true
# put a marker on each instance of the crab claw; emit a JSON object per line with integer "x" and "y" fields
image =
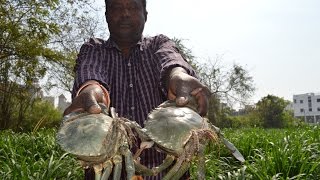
{"x": 144, "y": 145}
{"x": 235, "y": 152}
{"x": 232, "y": 148}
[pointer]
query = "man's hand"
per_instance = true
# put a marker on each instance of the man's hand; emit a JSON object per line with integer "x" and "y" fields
{"x": 181, "y": 86}
{"x": 88, "y": 99}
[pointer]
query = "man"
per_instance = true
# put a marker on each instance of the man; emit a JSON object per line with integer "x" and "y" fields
{"x": 137, "y": 73}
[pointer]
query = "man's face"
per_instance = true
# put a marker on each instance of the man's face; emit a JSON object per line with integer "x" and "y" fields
{"x": 126, "y": 19}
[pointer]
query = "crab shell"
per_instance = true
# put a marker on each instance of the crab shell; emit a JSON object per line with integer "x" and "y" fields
{"x": 170, "y": 127}
{"x": 85, "y": 135}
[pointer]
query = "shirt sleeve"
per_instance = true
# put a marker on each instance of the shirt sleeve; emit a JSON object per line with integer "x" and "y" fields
{"x": 169, "y": 57}
{"x": 89, "y": 65}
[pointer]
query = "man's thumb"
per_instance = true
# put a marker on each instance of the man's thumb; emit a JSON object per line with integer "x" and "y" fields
{"x": 182, "y": 100}
{"x": 92, "y": 106}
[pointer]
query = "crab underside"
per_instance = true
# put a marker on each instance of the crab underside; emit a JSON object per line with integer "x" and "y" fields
{"x": 181, "y": 133}
{"x": 101, "y": 141}
{"x": 98, "y": 141}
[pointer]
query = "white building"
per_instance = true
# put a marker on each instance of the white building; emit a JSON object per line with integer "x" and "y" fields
{"x": 307, "y": 107}
{"x": 63, "y": 103}
{"x": 59, "y": 102}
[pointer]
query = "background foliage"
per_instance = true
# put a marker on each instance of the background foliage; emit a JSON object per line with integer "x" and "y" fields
{"x": 292, "y": 153}
{"x": 38, "y": 40}
{"x": 35, "y": 156}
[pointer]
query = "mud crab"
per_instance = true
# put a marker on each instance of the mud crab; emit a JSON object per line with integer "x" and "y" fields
{"x": 181, "y": 133}
{"x": 98, "y": 141}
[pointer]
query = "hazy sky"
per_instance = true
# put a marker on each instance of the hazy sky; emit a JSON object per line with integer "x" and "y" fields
{"x": 277, "y": 41}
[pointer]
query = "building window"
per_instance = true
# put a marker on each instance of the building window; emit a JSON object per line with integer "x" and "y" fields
{"x": 310, "y": 109}
{"x": 294, "y": 100}
{"x": 318, "y": 100}
{"x": 301, "y": 110}
{"x": 301, "y": 101}
{"x": 318, "y": 108}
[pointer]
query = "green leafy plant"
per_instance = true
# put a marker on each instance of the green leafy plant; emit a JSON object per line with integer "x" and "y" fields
{"x": 292, "y": 153}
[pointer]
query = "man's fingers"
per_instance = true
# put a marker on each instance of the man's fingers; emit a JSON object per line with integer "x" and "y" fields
{"x": 171, "y": 95}
{"x": 91, "y": 104}
{"x": 84, "y": 102}
{"x": 70, "y": 110}
{"x": 196, "y": 91}
{"x": 203, "y": 103}
{"x": 182, "y": 86}
{"x": 94, "y": 109}
{"x": 182, "y": 100}
{"x": 183, "y": 94}
{"x": 180, "y": 96}
{"x": 201, "y": 96}
{"x": 74, "y": 107}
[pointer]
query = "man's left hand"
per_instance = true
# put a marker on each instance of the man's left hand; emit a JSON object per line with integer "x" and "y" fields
{"x": 181, "y": 86}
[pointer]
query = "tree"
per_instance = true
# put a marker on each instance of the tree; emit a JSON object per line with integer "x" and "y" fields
{"x": 233, "y": 84}
{"x": 29, "y": 47}
{"x": 228, "y": 86}
{"x": 271, "y": 111}
{"x": 78, "y": 22}
{"x": 42, "y": 114}
{"x": 186, "y": 53}
{"x": 24, "y": 34}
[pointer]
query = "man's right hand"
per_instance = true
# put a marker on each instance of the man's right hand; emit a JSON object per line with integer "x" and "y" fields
{"x": 88, "y": 99}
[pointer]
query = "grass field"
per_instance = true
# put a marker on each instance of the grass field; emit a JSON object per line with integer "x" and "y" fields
{"x": 270, "y": 154}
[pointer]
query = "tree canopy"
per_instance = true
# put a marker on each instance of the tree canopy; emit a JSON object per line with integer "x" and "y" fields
{"x": 271, "y": 111}
{"x": 41, "y": 39}
{"x": 35, "y": 41}
{"x": 227, "y": 85}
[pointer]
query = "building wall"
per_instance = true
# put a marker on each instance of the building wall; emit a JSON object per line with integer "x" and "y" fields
{"x": 62, "y": 103}
{"x": 307, "y": 107}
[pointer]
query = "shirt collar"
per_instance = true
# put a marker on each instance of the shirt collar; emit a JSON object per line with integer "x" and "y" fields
{"x": 111, "y": 44}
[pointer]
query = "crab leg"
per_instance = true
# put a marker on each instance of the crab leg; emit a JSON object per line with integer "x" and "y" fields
{"x": 142, "y": 169}
{"x": 128, "y": 161}
{"x": 97, "y": 171}
{"x": 145, "y": 171}
{"x": 107, "y": 170}
{"x": 201, "y": 162}
{"x": 144, "y": 145}
{"x": 166, "y": 163}
{"x": 183, "y": 169}
{"x": 235, "y": 152}
{"x": 117, "y": 160}
{"x": 176, "y": 174}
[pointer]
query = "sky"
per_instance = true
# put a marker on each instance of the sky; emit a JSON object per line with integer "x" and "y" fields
{"x": 277, "y": 41}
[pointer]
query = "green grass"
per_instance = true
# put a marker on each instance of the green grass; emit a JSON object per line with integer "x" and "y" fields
{"x": 35, "y": 156}
{"x": 270, "y": 154}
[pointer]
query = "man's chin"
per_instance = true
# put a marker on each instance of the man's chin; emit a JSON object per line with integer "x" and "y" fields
{"x": 128, "y": 36}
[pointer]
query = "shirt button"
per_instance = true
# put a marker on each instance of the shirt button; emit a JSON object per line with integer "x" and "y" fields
{"x": 132, "y": 108}
{"x": 129, "y": 64}
{"x": 131, "y": 85}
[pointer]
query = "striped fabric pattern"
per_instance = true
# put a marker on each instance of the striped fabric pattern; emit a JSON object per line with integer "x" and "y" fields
{"x": 136, "y": 83}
